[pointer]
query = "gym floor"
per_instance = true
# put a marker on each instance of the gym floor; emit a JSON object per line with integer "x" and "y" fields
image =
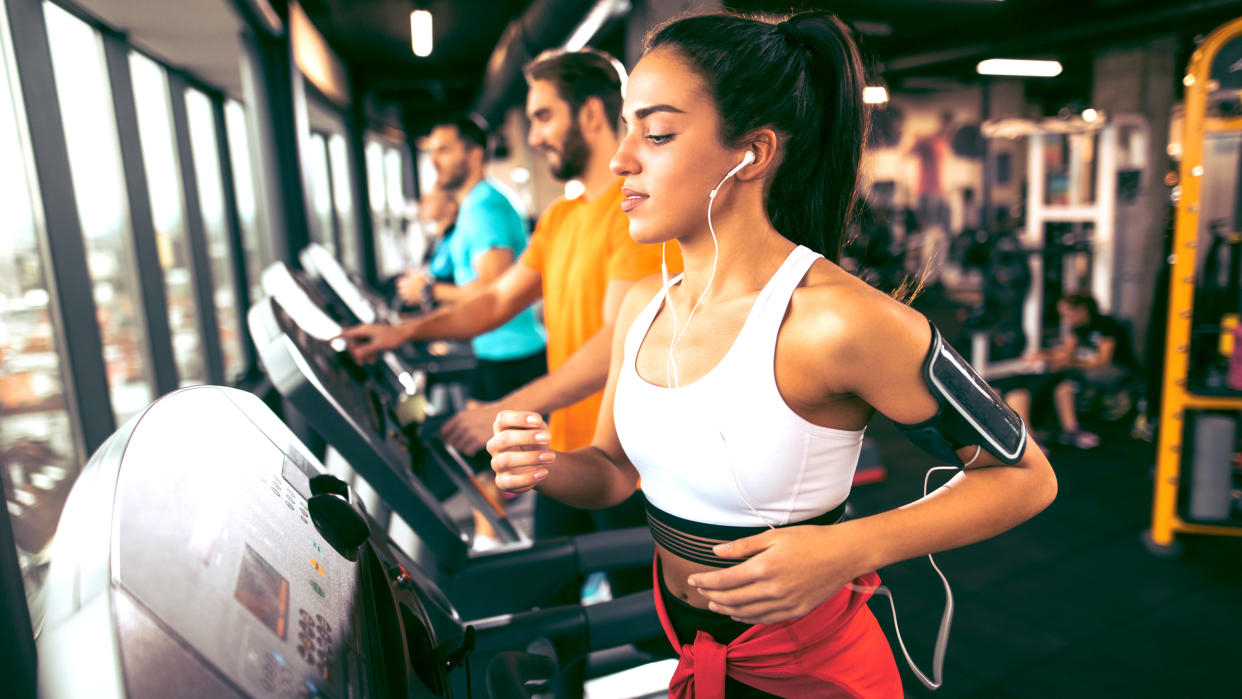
{"x": 1070, "y": 604}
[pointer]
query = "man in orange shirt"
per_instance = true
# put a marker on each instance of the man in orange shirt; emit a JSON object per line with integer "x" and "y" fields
{"x": 581, "y": 261}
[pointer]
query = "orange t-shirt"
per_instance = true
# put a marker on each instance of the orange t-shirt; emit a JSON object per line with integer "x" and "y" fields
{"x": 579, "y": 246}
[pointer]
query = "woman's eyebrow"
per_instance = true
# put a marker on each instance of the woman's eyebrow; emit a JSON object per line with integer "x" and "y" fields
{"x": 648, "y": 111}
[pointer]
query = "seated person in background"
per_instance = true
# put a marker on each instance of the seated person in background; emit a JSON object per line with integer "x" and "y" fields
{"x": 1087, "y": 355}
{"x": 439, "y": 209}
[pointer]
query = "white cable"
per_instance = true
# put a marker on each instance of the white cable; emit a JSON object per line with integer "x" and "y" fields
{"x": 711, "y": 199}
{"x": 737, "y": 484}
{"x": 669, "y": 369}
{"x": 946, "y": 620}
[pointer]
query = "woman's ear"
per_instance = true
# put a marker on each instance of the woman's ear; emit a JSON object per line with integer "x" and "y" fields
{"x": 765, "y": 147}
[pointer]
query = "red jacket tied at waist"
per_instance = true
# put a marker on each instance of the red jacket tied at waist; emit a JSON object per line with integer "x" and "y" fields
{"x": 837, "y": 650}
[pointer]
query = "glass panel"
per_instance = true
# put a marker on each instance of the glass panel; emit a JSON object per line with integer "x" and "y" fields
{"x": 203, "y": 144}
{"x": 82, "y": 90}
{"x": 159, "y": 155}
{"x": 375, "y": 177}
{"x": 253, "y": 242}
{"x": 393, "y": 176}
{"x": 343, "y": 198}
{"x": 38, "y": 447}
{"x": 316, "y": 164}
{"x": 389, "y": 260}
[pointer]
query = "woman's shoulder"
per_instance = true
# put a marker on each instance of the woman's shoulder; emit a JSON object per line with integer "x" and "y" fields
{"x": 640, "y": 294}
{"x": 833, "y": 309}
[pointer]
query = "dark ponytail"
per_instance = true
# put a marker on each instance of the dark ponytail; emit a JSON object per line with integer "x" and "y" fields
{"x": 804, "y": 79}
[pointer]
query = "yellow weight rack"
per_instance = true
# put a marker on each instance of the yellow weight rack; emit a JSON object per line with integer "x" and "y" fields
{"x": 1178, "y": 396}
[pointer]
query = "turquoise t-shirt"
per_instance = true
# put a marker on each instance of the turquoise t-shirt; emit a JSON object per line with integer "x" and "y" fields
{"x": 486, "y": 221}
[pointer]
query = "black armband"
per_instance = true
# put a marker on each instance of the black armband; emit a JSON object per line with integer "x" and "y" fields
{"x": 970, "y": 413}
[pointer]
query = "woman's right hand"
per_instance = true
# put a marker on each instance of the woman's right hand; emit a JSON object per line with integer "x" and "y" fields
{"x": 519, "y": 449}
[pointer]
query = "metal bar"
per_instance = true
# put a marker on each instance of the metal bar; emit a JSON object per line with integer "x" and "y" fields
{"x": 71, "y": 288}
{"x": 145, "y": 248}
{"x": 232, "y": 219}
{"x": 1216, "y": 529}
{"x": 1033, "y": 239}
{"x": 1104, "y": 268}
{"x": 196, "y": 234}
{"x": 267, "y": 83}
{"x": 19, "y": 663}
{"x": 1196, "y": 402}
{"x": 355, "y": 147}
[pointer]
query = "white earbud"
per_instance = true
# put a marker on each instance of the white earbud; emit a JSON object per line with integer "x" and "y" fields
{"x": 671, "y": 364}
{"x": 746, "y": 160}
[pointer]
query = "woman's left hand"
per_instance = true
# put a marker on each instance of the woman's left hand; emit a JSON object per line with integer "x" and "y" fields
{"x": 788, "y": 572}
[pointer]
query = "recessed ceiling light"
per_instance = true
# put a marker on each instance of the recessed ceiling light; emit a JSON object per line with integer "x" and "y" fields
{"x": 1019, "y": 67}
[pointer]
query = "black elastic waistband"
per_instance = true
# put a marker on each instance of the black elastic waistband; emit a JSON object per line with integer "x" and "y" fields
{"x": 693, "y": 541}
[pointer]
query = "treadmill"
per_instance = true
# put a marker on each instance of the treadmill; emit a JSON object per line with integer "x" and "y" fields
{"x": 444, "y": 358}
{"x": 366, "y": 305}
{"x": 358, "y": 418}
{"x": 204, "y": 552}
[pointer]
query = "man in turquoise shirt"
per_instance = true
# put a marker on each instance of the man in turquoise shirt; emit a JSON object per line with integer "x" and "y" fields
{"x": 489, "y": 236}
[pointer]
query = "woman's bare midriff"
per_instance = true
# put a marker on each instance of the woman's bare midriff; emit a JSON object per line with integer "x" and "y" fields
{"x": 676, "y": 570}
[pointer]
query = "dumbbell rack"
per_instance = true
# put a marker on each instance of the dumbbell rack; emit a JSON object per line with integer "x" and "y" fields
{"x": 1179, "y": 396}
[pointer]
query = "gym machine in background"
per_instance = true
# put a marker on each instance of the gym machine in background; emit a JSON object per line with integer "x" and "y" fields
{"x": 1081, "y": 174}
{"x": 1198, "y": 449}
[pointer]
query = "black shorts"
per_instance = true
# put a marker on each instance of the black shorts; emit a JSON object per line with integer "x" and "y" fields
{"x": 493, "y": 380}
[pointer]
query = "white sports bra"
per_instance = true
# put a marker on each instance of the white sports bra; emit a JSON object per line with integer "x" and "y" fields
{"x": 712, "y": 450}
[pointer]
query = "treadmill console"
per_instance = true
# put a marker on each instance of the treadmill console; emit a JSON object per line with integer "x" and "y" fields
{"x": 365, "y": 305}
{"x": 191, "y": 562}
{"x": 356, "y": 418}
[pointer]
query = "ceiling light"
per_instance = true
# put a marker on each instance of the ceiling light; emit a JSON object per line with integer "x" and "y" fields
{"x": 875, "y": 95}
{"x": 1019, "y": 67}
{"x": 1089, "y": 115}
{"x": 603, "y": 11}
{"x": 420, "y": 33}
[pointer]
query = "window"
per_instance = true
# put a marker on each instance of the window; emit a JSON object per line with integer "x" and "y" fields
{"x": 82, "y": 89}
{"x": 393, "y": 175}
{"x": 159, "y": 156}
{"x": 343, "y": 198}
{"x": 38, "y": 447}
{"x": 315, "y": 161}
{"x": 385, "y": 174}
{"x": 203, "y": 145}
{"x": 254, "y": 243}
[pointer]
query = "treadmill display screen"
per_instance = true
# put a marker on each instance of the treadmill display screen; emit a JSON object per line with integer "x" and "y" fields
{"x": 263, "y": 591}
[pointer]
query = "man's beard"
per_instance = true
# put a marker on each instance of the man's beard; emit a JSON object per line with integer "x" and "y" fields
{"x": 452, "y": 181}
{"x": 574, "y": 155}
